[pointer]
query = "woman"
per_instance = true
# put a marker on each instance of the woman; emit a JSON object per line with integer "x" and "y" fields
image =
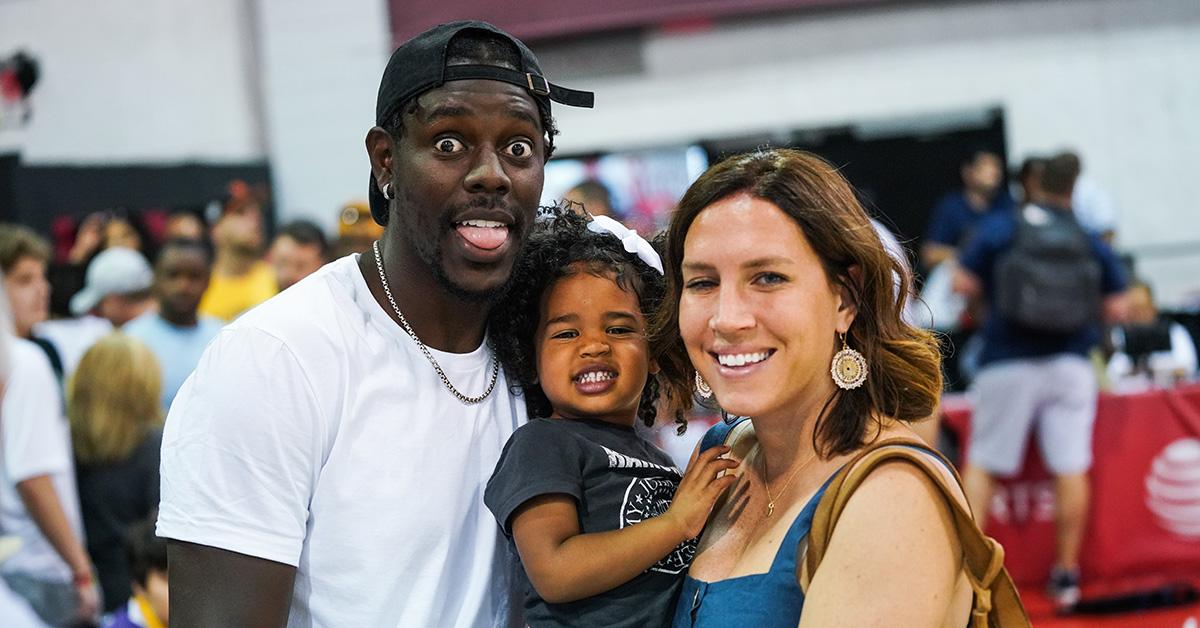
{"x": 116, "y": 427}
{"x": 775, "y": 268}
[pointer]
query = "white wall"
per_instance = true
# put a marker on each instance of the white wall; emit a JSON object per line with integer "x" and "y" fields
{"x": 1119, "y": 80}
{"x": 321, "y": 64}
{"x": 136, "y": 81}
{"x": 294, "y": 81}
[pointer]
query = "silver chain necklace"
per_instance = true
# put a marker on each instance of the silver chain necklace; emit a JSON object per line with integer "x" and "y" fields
{"x": 429, "y": 356}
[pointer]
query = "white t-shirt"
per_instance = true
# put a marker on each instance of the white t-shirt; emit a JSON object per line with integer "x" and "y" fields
{"x": 314, "y": 433}
{"x": 1093, "y": 207}
{"x": 1181, "y": 357}
{"x": 36, "y": 440}
{"x": 72, "y": 337}
{"x": 16, "y": 611}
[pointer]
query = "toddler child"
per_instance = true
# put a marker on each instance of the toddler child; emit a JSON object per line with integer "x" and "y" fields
{"x": 602, "y": 520}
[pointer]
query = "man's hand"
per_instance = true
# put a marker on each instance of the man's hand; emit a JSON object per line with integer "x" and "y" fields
{"x": 87, "y": 596}
{"x": 966, "y": 283}
{"x": 1116, "y": 309}
{"x": 933, "y": 253}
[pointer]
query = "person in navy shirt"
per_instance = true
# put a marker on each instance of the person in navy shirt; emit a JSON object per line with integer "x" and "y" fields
{"x": 957, "y": 214}
{"x": 1031, "y": 380}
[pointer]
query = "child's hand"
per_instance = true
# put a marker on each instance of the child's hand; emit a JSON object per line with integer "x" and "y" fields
{"x": 699, "y": 490}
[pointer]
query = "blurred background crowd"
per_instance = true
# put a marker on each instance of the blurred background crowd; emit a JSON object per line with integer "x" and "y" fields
{"x": 165, "y": 167}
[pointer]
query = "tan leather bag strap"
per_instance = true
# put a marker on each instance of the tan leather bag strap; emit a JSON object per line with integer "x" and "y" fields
{"x": 982, "y": 556}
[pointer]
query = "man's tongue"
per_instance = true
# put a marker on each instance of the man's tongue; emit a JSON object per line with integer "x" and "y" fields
{"x": 486, "y": 238}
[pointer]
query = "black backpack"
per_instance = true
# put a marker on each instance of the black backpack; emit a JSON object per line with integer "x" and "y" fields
{"x": 1049, "y": 281}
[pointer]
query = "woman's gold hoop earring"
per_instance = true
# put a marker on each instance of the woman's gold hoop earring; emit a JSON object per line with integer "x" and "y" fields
{"x": 702, "y": 388}
{"x": 849, "y": 368}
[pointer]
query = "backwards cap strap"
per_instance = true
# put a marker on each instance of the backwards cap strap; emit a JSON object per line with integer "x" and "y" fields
{"x": 531, "y": 81}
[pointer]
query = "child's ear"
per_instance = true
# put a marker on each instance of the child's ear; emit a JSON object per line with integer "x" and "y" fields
{"x": 654, "y": 369}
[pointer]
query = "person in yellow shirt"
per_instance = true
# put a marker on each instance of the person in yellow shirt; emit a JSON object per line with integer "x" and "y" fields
{"x": 241, "y": 279}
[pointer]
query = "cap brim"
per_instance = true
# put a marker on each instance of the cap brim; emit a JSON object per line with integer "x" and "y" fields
{"x": 84, "y": 301}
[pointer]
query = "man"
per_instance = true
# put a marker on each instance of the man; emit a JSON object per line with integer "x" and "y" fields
{"x": 116, "y": 290}
{"x": 176, "y": 333}
{"x": 1034, "y": 369}
{"x": 955, "y": 216}
{"x": 16, "y": 612}
{"x": 1178, "y": 362}
{"x": 1029, "y": 180}
{"x": 51, "y": 568}
{"x": 325, "y": 464}
{"x": 298, "y": 251}
{"x": 117, "y": 287}
{"x": 23, "y": 259}
{"x": 240, "y": 278}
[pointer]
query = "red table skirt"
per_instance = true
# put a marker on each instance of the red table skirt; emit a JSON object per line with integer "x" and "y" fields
{"x": 1144, "y": 526}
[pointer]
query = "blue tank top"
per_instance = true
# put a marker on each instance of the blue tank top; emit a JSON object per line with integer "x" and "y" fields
{"x": 763, "y": 600}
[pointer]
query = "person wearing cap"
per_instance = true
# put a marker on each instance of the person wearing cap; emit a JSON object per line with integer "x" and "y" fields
{"x": 325, "y": 464}
{"x": 356, "y": 230}
{"x": 116, "y": 290}
{"x": 117, "y": 287}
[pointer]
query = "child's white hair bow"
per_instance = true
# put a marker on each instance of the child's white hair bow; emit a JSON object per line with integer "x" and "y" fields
{"x": 629, "y": 238}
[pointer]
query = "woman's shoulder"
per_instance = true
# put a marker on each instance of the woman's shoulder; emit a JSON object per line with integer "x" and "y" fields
{"x": 895, "y": 434}
{"x": 906, "y": 491}
{"x": 725, "y": 432}
{"x": 895, "y": 528}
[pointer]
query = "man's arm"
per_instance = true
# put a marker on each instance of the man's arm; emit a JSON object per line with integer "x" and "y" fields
{"x": 1116, "y": 309}
{"x": 967, "y": 283}
{"x": 41, "y": 501}
{"x": 241, "y": 449}
{"x": 216, "y": 587}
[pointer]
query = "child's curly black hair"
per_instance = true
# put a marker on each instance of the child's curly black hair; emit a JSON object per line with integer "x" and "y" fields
{"x": 560, "y": 238}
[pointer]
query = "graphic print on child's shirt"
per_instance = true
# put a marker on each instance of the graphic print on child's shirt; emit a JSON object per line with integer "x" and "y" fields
{"x": 617, "y": 479}
{"x": 651, "y": 497}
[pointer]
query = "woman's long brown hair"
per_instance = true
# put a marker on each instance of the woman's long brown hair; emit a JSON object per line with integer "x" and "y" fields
{"x": 905, "y": 379}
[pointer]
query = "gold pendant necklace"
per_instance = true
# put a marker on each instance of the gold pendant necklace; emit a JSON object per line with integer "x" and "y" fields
{"x": 767, "y": 483}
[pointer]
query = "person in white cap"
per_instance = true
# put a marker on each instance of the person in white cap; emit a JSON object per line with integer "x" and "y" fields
{"x": 116, "y": 290}
{"x": 117, "y": 287}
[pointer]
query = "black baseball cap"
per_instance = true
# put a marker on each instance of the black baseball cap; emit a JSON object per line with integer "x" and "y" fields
{"x": 419, "y": 65}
